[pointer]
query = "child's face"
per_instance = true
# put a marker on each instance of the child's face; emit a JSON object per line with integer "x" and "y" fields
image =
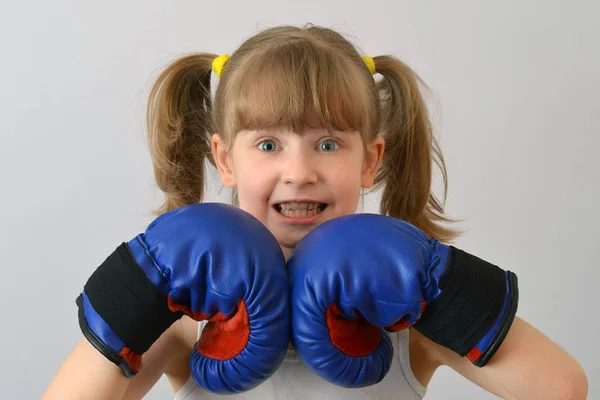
{"x": 291, "y": 182}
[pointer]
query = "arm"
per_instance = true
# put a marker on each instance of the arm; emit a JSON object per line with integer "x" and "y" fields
{"x": 87, "y": 374}
{"x": 169, "y": 355}
{"x": 528, "y": 365}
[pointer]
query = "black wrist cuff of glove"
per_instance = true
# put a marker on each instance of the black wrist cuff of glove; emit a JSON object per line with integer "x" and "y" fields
{"x": 473, "y": 293}
{"x": 130, "y": 304}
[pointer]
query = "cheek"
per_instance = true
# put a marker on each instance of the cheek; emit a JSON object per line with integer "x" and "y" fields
{"x": 345, "y": 182}
{"x": 254, "y": 189}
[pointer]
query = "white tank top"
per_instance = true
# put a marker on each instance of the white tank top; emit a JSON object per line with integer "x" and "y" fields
{"x": 293, "y": 380}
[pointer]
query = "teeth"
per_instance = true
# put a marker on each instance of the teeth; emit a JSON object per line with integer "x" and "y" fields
{"x": 298, "y": 206}
{"x": 299, "y": 213}
{"x": 293, "y": 209}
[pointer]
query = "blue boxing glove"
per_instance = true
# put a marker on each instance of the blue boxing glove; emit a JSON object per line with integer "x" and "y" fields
{"x": 208, "y": 261}
{"x": 354, "y": 276}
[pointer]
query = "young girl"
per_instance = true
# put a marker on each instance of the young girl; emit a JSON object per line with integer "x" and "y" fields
{"x": 299, "y": 126}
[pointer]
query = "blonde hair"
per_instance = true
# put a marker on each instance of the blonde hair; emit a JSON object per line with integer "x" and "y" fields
{"x": 298, "y": 78}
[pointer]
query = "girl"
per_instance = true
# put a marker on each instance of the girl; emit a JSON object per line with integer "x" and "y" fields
{"x": 298, "y": 128}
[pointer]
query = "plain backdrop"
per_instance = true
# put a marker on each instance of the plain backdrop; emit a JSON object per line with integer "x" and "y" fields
{"x": 515, "y": 87}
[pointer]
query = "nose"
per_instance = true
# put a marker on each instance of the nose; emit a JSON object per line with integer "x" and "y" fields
{"x": 299, "y": 170}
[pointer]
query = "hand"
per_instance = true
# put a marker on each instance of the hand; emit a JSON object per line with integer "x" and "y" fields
{"x": 354, "y": 275}
{"x": 209, "y": 261}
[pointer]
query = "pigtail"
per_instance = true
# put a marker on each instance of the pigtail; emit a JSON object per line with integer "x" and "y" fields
{"x": 179, "y": 125}
{"x": 410, "y": 151}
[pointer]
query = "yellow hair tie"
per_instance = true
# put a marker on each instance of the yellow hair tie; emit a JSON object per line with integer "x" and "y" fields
{"x": 219, "y": 63}
{"x": 370, "y": 64}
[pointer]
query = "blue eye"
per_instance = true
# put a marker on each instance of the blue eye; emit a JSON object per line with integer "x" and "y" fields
{"x": 328, "y": 145}
{"x": 267, "y": 145}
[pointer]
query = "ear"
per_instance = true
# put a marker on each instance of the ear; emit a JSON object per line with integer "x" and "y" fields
{"x": 221, "y": 155}
{"x": 372, "y": 160}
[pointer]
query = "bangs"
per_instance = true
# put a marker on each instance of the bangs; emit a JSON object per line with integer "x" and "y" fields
{"x": 299, "y": 85}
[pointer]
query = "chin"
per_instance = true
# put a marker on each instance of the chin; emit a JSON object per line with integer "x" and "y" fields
{"x": 288, "y": 243}
{"x": 290, "y": 240}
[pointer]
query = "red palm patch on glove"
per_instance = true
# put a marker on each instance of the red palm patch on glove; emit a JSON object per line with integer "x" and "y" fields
{"x": 353, "y": 337}
{"x": 224, "y": 336}
{"x": 357, "y": 337}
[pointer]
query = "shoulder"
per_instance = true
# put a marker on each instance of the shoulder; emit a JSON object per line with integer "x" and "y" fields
{"x": 424, "y": 356}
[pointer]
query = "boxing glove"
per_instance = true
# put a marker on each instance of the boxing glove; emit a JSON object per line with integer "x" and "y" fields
{"x": 356, "y": 276}
{"x": 208, "y": 261}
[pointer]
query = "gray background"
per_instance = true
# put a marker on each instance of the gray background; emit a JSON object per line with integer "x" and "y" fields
{"x": 515, "y": 105}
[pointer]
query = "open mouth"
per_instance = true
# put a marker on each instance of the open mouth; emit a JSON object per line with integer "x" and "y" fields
{"x": 300, "y": 210}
